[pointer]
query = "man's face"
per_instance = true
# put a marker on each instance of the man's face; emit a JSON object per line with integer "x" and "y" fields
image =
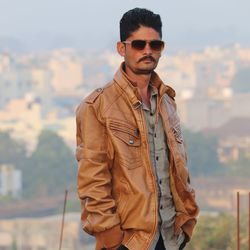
{"x": 140, "y": 61}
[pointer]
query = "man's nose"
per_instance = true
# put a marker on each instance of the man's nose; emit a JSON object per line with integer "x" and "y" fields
{"x": 147, "y": 49}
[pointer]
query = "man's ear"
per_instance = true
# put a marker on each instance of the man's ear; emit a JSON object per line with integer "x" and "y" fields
{"x": 120, "y": 46}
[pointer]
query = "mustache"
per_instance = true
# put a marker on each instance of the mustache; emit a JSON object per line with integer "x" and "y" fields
{"x": 146, "y": 58}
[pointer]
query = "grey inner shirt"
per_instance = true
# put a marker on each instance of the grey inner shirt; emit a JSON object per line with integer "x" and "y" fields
{"x": 160, "y": 165}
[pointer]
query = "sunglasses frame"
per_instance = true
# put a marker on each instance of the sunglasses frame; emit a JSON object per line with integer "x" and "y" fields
{"x": 150, "y": 42}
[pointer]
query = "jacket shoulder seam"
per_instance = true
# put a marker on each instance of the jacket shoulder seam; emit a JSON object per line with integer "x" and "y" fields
{"x": 109, "y": 106}
{"x": 96, "y": 93}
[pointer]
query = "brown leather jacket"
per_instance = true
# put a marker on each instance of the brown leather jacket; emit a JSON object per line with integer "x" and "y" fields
{"x": 116, "y": 184}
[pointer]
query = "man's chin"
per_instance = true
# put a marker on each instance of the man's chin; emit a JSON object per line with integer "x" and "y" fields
{"x": 145, "y": 71}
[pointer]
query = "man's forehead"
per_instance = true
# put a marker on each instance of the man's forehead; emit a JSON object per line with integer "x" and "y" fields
{"x": 144, "y": 32}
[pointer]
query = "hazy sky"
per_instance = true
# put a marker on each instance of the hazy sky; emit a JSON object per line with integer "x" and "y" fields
{"x": 93, "y": 24}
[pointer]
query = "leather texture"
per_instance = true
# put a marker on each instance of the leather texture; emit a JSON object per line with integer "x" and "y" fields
{"x": 116, "y": 184}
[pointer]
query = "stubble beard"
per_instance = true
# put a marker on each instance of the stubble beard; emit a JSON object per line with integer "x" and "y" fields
{"x": 143, "y": 71}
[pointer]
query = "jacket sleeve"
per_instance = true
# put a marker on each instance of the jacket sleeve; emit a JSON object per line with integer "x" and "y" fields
{"x": 99, "y": 217}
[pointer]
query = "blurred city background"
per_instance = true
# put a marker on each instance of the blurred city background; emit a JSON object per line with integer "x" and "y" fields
{"x": 53, "y": 53}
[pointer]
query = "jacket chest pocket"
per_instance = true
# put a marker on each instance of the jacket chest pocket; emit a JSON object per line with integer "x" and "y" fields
{"x": 176, "y": 129}
{"x": 127, "y": 143}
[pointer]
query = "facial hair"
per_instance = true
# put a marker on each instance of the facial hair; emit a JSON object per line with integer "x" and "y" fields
{"x": 145, "y": 71}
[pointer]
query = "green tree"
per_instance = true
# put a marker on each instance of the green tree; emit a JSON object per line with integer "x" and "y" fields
{"x": 218, "y": 232}
{"x": 51, "y": 167}
{"x": 214, "y": 233}
{"x": 11, "y": 151}
{"x": 202, "y": 154}
{"x": 14, "y": 245}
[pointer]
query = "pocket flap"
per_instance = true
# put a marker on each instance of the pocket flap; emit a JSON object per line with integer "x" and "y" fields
{"x": 126, "y": 132}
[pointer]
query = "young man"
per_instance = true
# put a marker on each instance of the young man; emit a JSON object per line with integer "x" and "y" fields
{"x": 133, "y": 181}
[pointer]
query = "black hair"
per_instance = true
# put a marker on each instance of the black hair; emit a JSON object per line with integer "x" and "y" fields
{"x": 133, "y": 19}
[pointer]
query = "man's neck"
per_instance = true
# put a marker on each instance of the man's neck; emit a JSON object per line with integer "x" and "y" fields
{"x": 142, "y": 83}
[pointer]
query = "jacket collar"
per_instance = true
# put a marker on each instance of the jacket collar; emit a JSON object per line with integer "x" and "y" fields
{"x": 129, "y": 86}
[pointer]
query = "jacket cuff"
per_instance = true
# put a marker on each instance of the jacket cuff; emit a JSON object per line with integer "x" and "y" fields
{"x": 109, "y": 238}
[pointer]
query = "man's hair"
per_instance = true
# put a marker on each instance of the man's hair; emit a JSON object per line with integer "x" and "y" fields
{"x": 133, "y": 19}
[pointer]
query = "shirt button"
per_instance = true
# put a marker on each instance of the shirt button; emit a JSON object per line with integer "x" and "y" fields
{"x": 161, "y": 207}
{"x": 157, "y": 158}
{"x": 151, "y": 114}
{"x": 131, "y": 141}
{"x": 155, "y": 134}
{"x": 160, "y": 181}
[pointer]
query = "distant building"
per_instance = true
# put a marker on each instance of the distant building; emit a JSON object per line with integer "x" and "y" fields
{"x": 67, "y": 72}
{"x": 15, "y": 79}
{"x": 234, "y": 140}
{"x": 10, "y": 181}
{"x": 233, "y": 148}
{"x": 199, "y": 113}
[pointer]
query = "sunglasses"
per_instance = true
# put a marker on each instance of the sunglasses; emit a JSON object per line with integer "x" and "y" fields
{"x": 156, "y": 45}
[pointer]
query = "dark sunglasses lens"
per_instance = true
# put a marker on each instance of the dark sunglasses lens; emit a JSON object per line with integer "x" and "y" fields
{"x": 157, "y": 45}
{"x": 138, "y": 44}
